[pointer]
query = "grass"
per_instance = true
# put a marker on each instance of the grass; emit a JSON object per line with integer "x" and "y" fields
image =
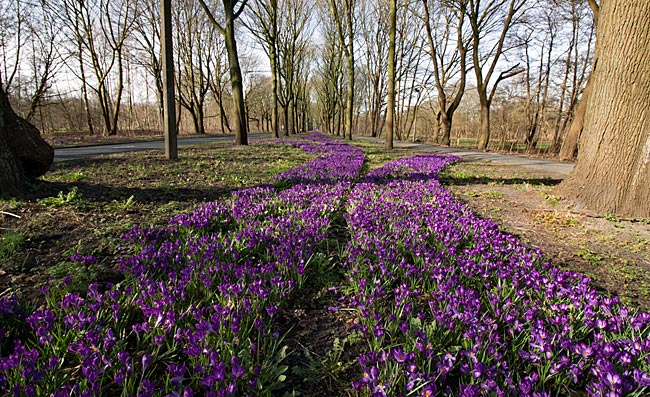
{"x": 85, "y": 205}
{"x": 11, "y": 243}
{"x": 555, "y": 219}
{"x": 511, "y": 146}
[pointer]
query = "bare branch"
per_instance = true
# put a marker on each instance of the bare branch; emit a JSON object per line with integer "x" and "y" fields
{"x": 595, "y": 7}
{"x": 211, "y": 17}
{"x": 506, "y": 74}
{"x": 241, "y": 9}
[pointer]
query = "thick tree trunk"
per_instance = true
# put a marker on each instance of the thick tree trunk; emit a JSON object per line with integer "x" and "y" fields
{"x": 286, "y": 120}
{"x": 23, "y": 153}
{"x": 613, "y": 169}
{"x": 12, "y": 176}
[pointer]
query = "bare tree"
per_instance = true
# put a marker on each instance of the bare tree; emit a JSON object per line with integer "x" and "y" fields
{"x": 541, "y": 39}
{"x": 218, "y": 81}
{"x": 146, "y": 37}
{"x": 448, "y": 52}
{"x": 570, "y": 142}
{"x": 13, "y": 38}
{"x": 232, "y": 9}
{"x": 29, "y": 35}
{"x": 374, "y": 34}
{"x": 301, "y": 98}
{"x": 197, "y": 44}
{"x": 101, "y": 29}
{"x": 496, "y": 18}
{"x": 259, "y": 101}
{"x": 343, "y": 13}
{"x": 292, "y": 52}
{"x": 411, "y": 77}
{"x": 70, "y": 13}
{"x": 330, "y": 72}
{"x": 264, "y": 26}
{"x": 390, "y": 107}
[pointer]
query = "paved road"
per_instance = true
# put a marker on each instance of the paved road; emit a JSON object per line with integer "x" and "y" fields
{"x": 81, "y": 152}
{"x": 73, "y": 153}
{"x": 559, "y": 167}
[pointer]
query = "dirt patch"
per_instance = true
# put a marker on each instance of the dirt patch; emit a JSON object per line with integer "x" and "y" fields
{"x": 613, "y": 252}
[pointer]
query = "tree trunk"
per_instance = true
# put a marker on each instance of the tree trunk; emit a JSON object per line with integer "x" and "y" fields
{"x": 84, "y": 85}
{"x": 23, "y": 153}
{"x": 555, "y": 146}
{"x": 484, "y": 132}
{"x": 390, "y": 108}
{"x": 349, "y": 103}
{"x": 613, "y": 169}
{"x": 274, "y": 89}
{"x": 223, "y": 117}
{"x": 200, "y": 111}
{"x": 285, "y": 109}
{"x": 445, "y": 123}
{"x": 570, "y": 144}
{"x": 240, "y": 122}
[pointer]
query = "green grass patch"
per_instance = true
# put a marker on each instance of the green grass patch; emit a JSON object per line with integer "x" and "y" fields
{"x": 10, "y": 244}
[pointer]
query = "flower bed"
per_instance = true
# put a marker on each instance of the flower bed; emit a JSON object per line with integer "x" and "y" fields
{"x": 450, "y": 305}
{"x": 195, "y": 312}
{"x": 336, "y": 161}
{"x": 447, "y": 303}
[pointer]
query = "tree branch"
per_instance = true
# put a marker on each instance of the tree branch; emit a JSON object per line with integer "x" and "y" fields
{"x": 506, "y": 74}
{"x": 241, "y": 9}
{"x": 211, "y": 17}
{"x": 595, "y": 7}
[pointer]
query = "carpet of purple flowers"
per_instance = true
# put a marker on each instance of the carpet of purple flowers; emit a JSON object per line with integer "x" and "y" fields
{"x": 451, "y": 305}
{"x": 448, "y": 304}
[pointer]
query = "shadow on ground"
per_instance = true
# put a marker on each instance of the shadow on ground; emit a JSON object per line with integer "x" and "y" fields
{"x": 484, "y": 180}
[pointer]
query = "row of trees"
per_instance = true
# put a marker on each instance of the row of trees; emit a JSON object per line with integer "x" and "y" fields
{"x": 428, "y": 54}
{"x": 95, "y": 65}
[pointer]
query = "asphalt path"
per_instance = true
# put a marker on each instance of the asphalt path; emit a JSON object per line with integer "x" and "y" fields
{"x": 82, "y": 152}
{"x": 559, "y": 167}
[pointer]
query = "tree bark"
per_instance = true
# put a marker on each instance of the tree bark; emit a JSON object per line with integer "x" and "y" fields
{"x": 241, "y": 133}
{"x": 23, "y": 153}
{"x": 445, "y": 122}
{"x": 613, "y": 169}
{"x": 484, "y": 132}
{"x": 349, "y": 102}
